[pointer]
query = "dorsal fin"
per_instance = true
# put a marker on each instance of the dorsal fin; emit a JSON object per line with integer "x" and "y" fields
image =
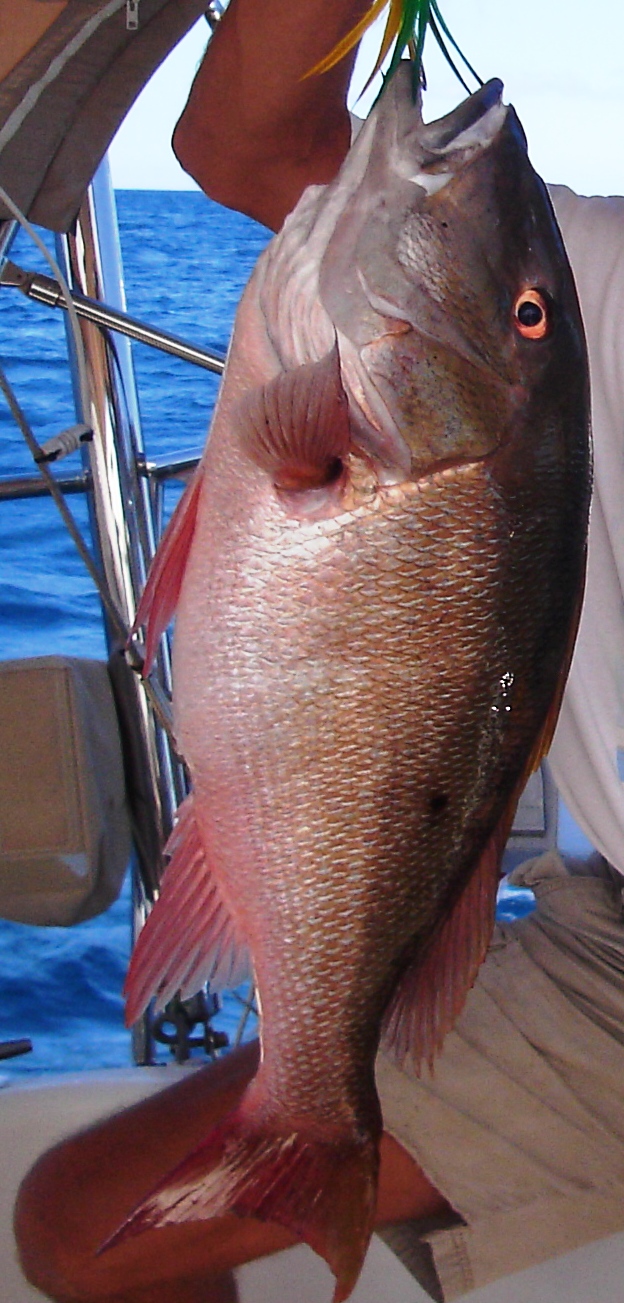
{"x": 162, "y": 590}
{"x": 296, "y": 427}
{"x": 433, "y": 990}
{"x": 545, "y": 737}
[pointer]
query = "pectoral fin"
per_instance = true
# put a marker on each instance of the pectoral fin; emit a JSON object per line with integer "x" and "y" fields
{"x": 297, "y": 426}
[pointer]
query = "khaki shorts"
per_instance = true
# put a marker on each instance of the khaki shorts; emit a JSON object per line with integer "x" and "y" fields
{"x": 521, "y": 1127}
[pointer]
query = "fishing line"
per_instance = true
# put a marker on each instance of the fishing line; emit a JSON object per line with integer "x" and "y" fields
{"x": 58, "y": 497}
{"x": 83, "y": 383}
{"x": 158, "y": 699}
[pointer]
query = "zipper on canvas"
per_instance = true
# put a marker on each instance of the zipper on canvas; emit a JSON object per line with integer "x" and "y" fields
{"x": 132, "y": 15}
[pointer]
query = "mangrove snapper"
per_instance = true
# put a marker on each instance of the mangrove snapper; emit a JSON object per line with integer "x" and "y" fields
{"x": 379, "y": 568}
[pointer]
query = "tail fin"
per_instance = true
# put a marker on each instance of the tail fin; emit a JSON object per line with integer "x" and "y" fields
{"x": 323, "y": 1190}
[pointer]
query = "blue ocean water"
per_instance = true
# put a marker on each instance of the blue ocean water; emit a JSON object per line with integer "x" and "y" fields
{"x": 186, "y": 262}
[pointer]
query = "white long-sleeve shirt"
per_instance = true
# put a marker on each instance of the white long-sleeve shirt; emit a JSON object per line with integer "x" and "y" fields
{"x": 587, "y": 755}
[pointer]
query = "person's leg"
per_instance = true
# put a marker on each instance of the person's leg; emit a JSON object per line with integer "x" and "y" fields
{"x": 204, "y": 1289}
{"x": 521, "y": 1123}
{"x": 80, "y": 1192}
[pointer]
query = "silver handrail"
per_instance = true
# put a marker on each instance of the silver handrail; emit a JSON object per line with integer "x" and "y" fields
{"x": 124, "y": 510}
{"x": 44, "y": 289}
{"x": 15, "y": 487}
{"x": 124, "y": 491}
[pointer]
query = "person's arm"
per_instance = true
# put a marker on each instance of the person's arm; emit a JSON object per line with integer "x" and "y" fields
{"x": 256, "y": 131}
{"x": 80, "y": 1192}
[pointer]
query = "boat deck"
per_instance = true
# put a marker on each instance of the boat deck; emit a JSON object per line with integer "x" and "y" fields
{"x": 35, "y": 1115}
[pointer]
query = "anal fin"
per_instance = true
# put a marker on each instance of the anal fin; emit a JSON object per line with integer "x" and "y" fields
{"x": 190, "y": 936}
{"x": 433, "y": 990}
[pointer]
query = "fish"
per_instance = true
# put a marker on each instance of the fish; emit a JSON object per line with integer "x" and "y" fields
{"x": 377, "y": 571}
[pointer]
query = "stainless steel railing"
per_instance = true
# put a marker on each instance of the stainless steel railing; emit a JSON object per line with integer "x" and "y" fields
{"x": 44, "y": 289}
{"x": 124, "y": 492}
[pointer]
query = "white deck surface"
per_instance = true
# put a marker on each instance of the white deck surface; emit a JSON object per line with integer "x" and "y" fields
{"x": 32, "y": 1117}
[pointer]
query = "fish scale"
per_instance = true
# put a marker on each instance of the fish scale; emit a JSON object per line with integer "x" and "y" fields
{"x": 378, "y": 573}
{"x": 316, "y": 755}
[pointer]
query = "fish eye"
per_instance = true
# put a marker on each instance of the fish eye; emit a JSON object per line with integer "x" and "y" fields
{"x": 531, "y": 313}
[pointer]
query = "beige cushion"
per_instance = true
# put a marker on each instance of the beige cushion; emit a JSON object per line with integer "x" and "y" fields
{"x": 64, "y": 828}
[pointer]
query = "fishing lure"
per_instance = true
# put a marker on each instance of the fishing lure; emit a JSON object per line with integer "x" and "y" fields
{"x": 406, "y": 27}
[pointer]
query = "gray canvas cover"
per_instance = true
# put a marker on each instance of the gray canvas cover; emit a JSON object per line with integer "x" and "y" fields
{"x": 63, "y": 101}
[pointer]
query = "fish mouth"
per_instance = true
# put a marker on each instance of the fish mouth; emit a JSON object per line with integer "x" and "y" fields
{"x": 466, "y": 119}
{"x": 438, "y": 150}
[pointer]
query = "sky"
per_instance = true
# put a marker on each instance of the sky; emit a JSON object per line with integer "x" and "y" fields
{"x": 562, "y": 62}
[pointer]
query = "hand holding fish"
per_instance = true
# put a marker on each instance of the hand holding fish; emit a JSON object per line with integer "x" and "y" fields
{"x": 256, "y": 130}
